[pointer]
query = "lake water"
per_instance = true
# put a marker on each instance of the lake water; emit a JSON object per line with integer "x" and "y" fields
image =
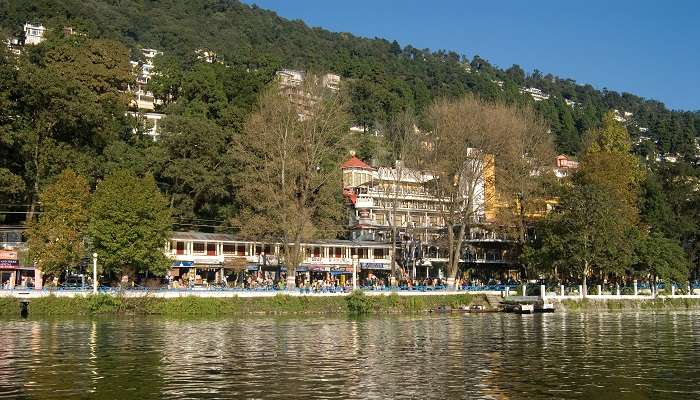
{"x": 492, "y": 356}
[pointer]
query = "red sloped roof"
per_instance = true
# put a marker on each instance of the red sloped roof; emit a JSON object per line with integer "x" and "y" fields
{"x": 350, "y": 195}
{"x": 355, "y": 162}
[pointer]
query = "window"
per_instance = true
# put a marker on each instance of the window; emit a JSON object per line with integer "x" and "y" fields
{"x": 378, "y": 253}
{"x": 379, "y": 219}
{"x": 198, "y": 247}
{"x": 360, "y": 252}
{"x": 240, "y": 250}
{"x": 211, "y": 249}
{"x": 229, "y": 248}
{"x": 337, "y": 252}
{"x": 180, "y": 248}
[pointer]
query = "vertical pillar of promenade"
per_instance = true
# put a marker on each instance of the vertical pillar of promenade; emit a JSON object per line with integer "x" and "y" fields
{"x": 38, "y": 279}
{"x": 600, "y": 290}
{"x": 524, "y": 289}
{"x": 617, "y": 289}
{"x": 543, "y": 292}
{"x": 561, "y": 290}
{"x": 634, "y": 283}
{"x": 673, "y": 289}
{"x": 355, "y": 262}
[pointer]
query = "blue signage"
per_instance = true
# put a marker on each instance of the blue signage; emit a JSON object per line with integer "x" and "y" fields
{"x": 182, "y": 264}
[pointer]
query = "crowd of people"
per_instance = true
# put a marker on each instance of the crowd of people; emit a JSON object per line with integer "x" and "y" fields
{"x": 325, "y": 282}
{"x": 312, "y": 282}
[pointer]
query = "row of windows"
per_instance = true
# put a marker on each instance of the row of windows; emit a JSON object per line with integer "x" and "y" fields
{"x": 402, "y": 219}
{"x": 210, "y": 248}
{"x": 411, "y": 204}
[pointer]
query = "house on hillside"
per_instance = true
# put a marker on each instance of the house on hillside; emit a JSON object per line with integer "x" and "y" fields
{"x": 144, "y": 99}
{"x": 208, "y": 56}
{"x": 564, "y": 166}
{"x": 150, "y": 121}
{"x": 535, "y": 93}
{"x": 33, "y": 33}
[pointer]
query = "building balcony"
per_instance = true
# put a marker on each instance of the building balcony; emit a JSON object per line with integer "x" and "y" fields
{"x": 364, "y": 202}
{"x": 399, "y": 194}
{"x": 487, "y": 238}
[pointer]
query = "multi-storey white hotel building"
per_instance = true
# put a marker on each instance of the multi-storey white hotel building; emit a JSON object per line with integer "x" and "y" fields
{"x": 384, "y": 198}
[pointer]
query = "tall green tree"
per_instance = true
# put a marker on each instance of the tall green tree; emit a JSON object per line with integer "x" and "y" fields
{"x": 12, "y": 185}
{"x": 70, "y": 102}
{"x": 663, "y": 258}
{"x": 130, "y": 225}
{"x": 593, "y": 230}
{"x": 582, "y": 237}
{"x": 607, "y": 162}
{"x": 57, "y": 239}
{"x": 196, "y": 174}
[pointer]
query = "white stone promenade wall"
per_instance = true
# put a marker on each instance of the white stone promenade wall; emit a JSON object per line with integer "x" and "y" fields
{"x": 30, "y": 294}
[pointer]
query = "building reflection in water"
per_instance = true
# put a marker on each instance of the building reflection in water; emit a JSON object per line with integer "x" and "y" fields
{"x": 642, "y": 355}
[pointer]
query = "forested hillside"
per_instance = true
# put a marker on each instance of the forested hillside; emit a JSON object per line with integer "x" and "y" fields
{"x": 63, "y": 103}
{"x": 385, "y": 77}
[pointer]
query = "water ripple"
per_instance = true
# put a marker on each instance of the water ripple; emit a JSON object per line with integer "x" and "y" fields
{"x": 494, "y": 356}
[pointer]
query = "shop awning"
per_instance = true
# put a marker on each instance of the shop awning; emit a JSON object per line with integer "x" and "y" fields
{"x": 183, "y": 264}
{"x": 237, "y": 263}
{"x": 274, "y": 268}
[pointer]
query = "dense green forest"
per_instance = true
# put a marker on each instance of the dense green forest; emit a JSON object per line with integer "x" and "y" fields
{"x": 63, "y": 107}
{"x": 385, "y": 77}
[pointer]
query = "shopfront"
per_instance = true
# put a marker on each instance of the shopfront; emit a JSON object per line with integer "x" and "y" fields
{"x": 375, "y": 273}
{"x": 9, "y": 267}
{"x": 342, "y": 274}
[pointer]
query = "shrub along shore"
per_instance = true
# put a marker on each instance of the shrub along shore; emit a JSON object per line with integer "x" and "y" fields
{"x": 658, "y": 304}
{"x": 191, "y": 306}
{"x": 356, "y": 303}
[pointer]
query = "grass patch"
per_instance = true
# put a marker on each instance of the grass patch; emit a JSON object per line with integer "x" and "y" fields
{"x": 355, "y": 304}
{"x": 9, "y": 306}
{"x": 359, "y": 303}
{"x": 659, "y": 304}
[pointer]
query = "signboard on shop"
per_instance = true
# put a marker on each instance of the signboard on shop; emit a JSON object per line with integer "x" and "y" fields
{"x": 8, "y": 259}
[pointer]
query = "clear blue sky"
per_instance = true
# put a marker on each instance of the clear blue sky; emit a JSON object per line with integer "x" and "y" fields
{"x": 649, "y": 48}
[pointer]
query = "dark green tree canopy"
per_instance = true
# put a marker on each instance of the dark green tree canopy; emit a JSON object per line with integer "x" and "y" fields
{"x": 130, "y": 224}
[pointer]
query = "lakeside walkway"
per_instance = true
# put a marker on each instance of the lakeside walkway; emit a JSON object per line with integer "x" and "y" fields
{"x": 28, "y": 293}
{"x": 219, "y": 293}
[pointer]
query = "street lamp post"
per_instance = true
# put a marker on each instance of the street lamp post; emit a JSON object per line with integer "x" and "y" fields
{"x": 94, "y": 273}
{"x": 355, "y": 261}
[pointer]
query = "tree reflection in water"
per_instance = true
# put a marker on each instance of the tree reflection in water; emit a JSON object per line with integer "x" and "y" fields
{"x": 576, "y": 355}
